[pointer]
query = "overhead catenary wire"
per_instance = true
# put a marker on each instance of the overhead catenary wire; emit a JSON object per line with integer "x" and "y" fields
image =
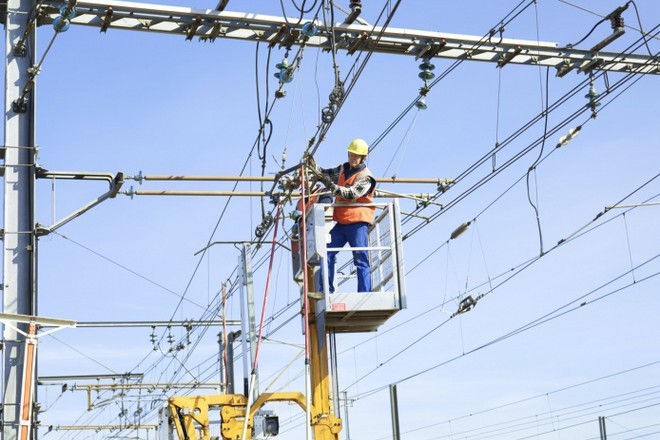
{"x": 546, "y": 422}
{"x": 571, "y": 237}
{"x": 247, "y": 161}
{"x": 521, "y": 329}
{"x": 171, "y": 359}
{"x": 200, "y": 178}
{"x": 338, "y": 101}
{"x": 399, "y": 353}
{"x": 639, "y": 21}
{"x": 545, "y": 318}
{"x": 510, "y": 139}
{"x": 578, "y": 233}
{"x": 532, "y": 168}
{"x": 404, "y": 142}
{"x": 568, "y": 411}
{"x": 520, "y": 266}
{"x": 393, "y": 10}
{"x": 300, "y": 9}
{"x": 126, "y": 268}
{"x": 513, "y": 159}
{"x": 484, "y": 40}
{"x": 294, "y": 66}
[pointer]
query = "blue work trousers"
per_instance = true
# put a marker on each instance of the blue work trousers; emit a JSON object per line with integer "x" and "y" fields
{"x": 356, "y": 235}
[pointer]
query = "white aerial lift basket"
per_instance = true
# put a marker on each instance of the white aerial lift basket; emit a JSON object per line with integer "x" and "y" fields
{"x": 345, "y": 310}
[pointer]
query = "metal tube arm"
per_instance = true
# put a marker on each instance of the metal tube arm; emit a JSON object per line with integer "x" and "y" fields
{"x": 115, "y": 182}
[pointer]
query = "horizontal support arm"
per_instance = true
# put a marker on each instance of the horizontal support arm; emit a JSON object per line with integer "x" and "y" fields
{"x": 209, "y": 24}
{"x": 181, "y": 178}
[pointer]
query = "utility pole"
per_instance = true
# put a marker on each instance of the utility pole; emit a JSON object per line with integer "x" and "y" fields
{"x": 601, "y": 425}
{"x": 347, "y": 429}
{"x": 227, "y": 352}
{"x": 19, "y": 282}
{"x": 394, "y": 402}
{"x": 247, "y": 300}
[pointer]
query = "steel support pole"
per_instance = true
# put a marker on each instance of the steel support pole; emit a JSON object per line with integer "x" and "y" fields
{"x": 221, "y": 360}
{"x": 247, "y": 258}
{"x": 347, "y": 429}
{"x": 603, "y": 431}
{"x": 248, "y": 325}
{"x": 230, "y": 361}
{"x": 19, "y": 243}
{"x": 334, "y": 373}
{"x": 244, "y": 332}
{"x": 394, "y": 402}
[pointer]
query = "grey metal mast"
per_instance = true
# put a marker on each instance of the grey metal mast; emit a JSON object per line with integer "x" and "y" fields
{"x": 20, "y": 244}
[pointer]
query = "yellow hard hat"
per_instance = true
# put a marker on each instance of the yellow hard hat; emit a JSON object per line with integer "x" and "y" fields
{"x": 359, "y": 147}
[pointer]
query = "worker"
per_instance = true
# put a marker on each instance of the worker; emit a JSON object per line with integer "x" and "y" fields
{"x": 351, "y": 183}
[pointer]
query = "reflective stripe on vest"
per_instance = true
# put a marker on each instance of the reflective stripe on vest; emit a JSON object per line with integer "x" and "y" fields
{"x": 354, "y": 214}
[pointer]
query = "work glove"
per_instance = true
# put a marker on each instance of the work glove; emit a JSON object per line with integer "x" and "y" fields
{"x": 327, "y": 181}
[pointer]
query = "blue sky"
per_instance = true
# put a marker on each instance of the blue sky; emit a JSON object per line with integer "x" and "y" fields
{"x": 157, "y": 104}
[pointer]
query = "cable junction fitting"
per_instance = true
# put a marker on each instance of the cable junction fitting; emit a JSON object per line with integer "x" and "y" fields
{"x": 285, "y": 74}
{"x": 568, "y": 137}
{"x": 63, "y": 21}
{"x": 592, "y": 96}
{"x": 616, "y": 20}
{"x": 328, "y": 113}
{"x": 138, "y": 178}
{"x": 60, "y": 24}
{"x": 356, "y": 10}
{"x": 508, "y": 56}
{"x": 20, "y": 49}
{"x": 107, "y": 19}
{"x": 459, "y": 231}
{"x": 421, "y": 101}
{"x": 262, "y": 228}
{"x": 426, "y": 71}
{"x": 468, "y": 303}
{"x": 426, "y": 74}
{"x": 309, "y": 29}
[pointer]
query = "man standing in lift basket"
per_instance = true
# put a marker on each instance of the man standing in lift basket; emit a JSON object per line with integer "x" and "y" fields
{"x": 352, "y": 184}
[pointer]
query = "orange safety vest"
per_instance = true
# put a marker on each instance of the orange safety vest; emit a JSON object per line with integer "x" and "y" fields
{"x": 354, "y": 214}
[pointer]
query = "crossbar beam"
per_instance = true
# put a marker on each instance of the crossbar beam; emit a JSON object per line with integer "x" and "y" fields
{"x": 209, "y": 24}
